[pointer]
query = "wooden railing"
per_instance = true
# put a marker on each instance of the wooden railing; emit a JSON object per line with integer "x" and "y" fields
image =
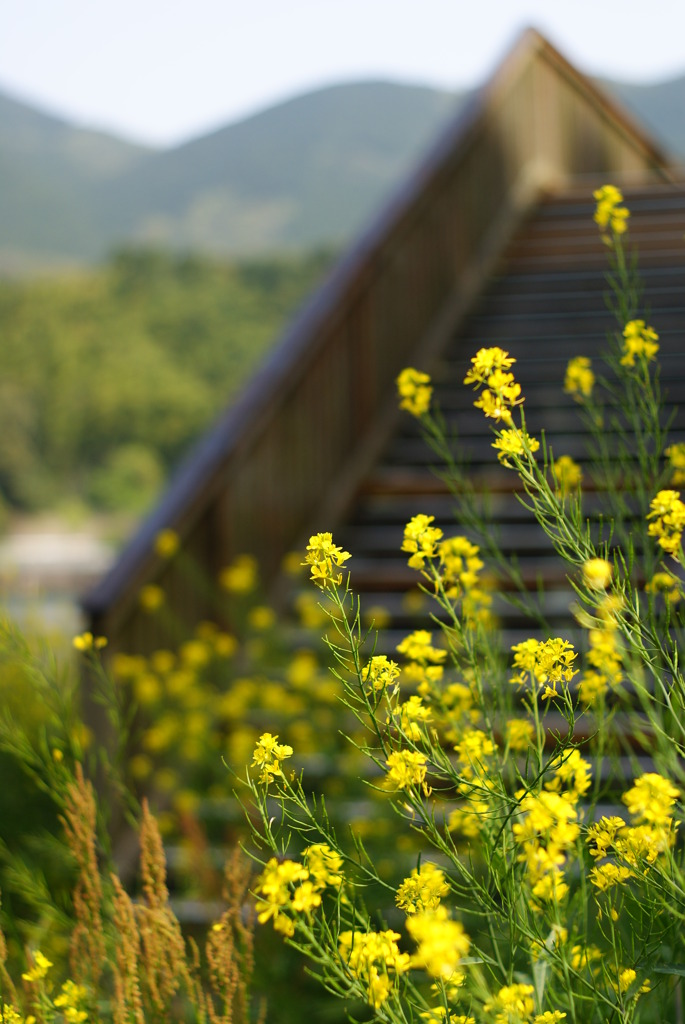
{"x": 285, "y": 458}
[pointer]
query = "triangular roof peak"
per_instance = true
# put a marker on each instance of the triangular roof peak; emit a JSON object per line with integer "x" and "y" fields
{"x": 285, "y": 459}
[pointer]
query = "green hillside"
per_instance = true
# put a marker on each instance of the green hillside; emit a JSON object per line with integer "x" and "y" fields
{"x": 660, "y": 107}
{"x": 110, "y": 375}
{"x": 308, "y": 171}
{"x": 305, "y": 172}
{"x": 54, "y": 176}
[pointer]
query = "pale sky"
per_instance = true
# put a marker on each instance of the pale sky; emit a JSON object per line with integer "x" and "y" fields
{"x": 161, "y": 71}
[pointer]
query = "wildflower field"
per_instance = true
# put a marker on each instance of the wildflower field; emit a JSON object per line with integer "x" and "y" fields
{"x": 453, "y": 832}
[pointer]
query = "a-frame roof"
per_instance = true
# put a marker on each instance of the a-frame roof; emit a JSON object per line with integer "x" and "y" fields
{"x": 287, "y": 457}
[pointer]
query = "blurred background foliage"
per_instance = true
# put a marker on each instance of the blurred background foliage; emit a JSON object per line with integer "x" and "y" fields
{"x": 109, "y": 375}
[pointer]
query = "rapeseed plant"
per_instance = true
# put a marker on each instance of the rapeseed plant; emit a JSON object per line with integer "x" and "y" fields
{"x": 527, "y": 904}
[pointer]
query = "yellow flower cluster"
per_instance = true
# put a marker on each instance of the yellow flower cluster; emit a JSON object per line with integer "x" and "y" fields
{"x": 151, "y": 598}
{"x": 421, "y": 540}
{"x": 72, "y": 1001}
{"x": 676, "y": 456}
{"x": 88, "y": 642}
{"x": 512, "y": 1003}
{"x": 597, "y": 573}
{"x": 418, "y": 647}
{"x": 425, "y": 662}
{"x": 489, "y": 368}
{"x": 473, "y": 750}
{"x": 324, "y": 558}
{"x": 423, "y": 890}
{"x": 460, "y": 567}
{"x": 241, "y": 576}
{"x": 440, "y": 1015}
{"x": 544, "y": 662}
{"x": 268, "y": 755}
{"x": 10, "y": 1015}
{"x": 407, "y": 768}
{"x": 549, "y": 827}
{"x": 381, "y": 674}
{"x": 579, "y": 379}
{"x": 639, "y": 342}
{"x": 415, "y": 391}
{"x": 514, "y": 442}
{"x": 288, "y": 888}
{"x": 441, "y": 944}
{"x": 414, "y": 715}
{"x": 670, "y": 587}
{"x": 605, "y": 661}
{"x": 609, "y": 214}
{"x": 635, "y": 847}
{"x": 167, "y": 543}
{"x": 374, "y": 958}
{"x": 519, "y": 733}
{"x": 40, "y": 968}
{"x": 668, "y": 513}
{"x": 567, "y": 475}
{"x": 651, "y": 800}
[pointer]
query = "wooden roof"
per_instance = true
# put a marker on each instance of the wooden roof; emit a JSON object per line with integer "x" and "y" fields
{"x": 289, "y": 456}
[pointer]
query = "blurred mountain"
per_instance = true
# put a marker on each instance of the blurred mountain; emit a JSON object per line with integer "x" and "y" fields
{"x": 53, "y": 178}
{"x": 660, "y": 107}
{"x": 306, "y": 172}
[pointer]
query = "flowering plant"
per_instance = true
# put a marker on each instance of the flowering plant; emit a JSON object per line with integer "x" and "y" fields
{"x": 549, "y": 882}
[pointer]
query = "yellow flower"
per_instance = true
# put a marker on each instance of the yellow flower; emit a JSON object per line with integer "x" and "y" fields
{"x": 668, "y": 586}
{"x": 608, "y": 212}
{"x": 41, "y": 966}
{"x": 324, "y": 558}
{"x": 607, "y": 875}
{"x": 597, "y": 573}
{"x": 417, "y": 647}
{"x": 441, "y": 943}
{"x": 567, "y": 475}
{"x": 415, "y": 391}
{"x": 261, "y": 617}
{"x": 514, "y": 442}
{"x": 473, "y": 749}
{"x": 371, "y": 957}
{"x": 406, "y": 768}
{"x": 324, "y": 865}
{"x": 579, "y": 380}
{"x": 485, "y": 362}
{"x": 514, "y": 1004}
{"x": 241, "y": 576}
{"x": 88, "y": 642}
{"x": 420, "y": 539}
{"x": 519, "y": 733}
{"x": 381, "y": 674}
{"x": 549, "y": 661}
{"x": 651, "y": 799}
{"x": 676, "y": 456}
{"x": 70, "y": 1001}
{"x": 167, "y": 543}
{"x": 639, "y": 342}
{"x": 268, "y": 755}
{"x": 549, "y": 1017}
{"x": 668, "y": 513}
{"x": 423, "y": 889}
{"x": 151, "y": 598}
